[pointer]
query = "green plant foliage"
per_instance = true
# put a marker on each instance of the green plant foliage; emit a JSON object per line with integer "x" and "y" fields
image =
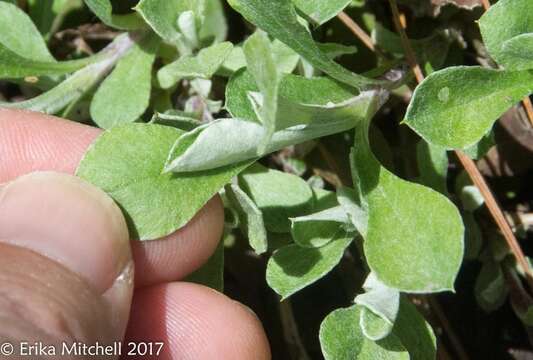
{"x": 490, "y": 288}
{"x": 203, "y": 65}
{"x": 455, "y": 107}
{"x": 389, "y": 250}
{"x": 227, "y": 141}
{"x": 124, "y": 95}
{"x": 341, "y": 338}
{"x": 48, "y": 15}
{"x": 319, "y": 228}
{"x": 278, "y": 195}
{"x": 74, "y": 87}
{"x": 507, "y": 29}
{"x": 321, "y": 11}
{"x": 261, "y": 64}
{"x": 127, "y": 162}
{"x": 251, "y": 218}
{"x": 16, "y": 66}
{"x": 380, "y": 305}
{"x": 269, "y": 105}
{"x": 278, "y": 18}
{"x": 104, "y": 10}
{"x": 433, "y": 166}
{"x": 291, "y": 268}
{"x": 19, "y": 34}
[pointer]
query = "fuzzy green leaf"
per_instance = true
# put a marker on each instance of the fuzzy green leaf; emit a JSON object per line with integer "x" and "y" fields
{"x": 104, "y": 10}
{"x": 520, "y": 50}
{"x": 457, "y": 106}
{"x": 380, "y": 308}
{"x": 320, "y": 11}
{"x": 319, "y": 228}
{"x": 292, "y": 268}
{"x": 13, "y": 65}
{"x": 127, "y": 163}
{"x": 227, "y": 141}
{"x": 251, "y": 218}
{"x": 414, "y": 332}
{"x": 79, "y": 83}
{"x": 504, "y": 21}
{"x": 432, "y": 166}
{"x": 124, "y": 95}
{"x": 203, "y": 65}
{"x": 490, "y": 288}
{"x": 414, "y": 239}
{"x": 262, "y": 65}
{"x": 341, "y": 338}
{"x": 278, "y": 195}
{"x": 19, "y": 34}
{"x": 278, "y": 18}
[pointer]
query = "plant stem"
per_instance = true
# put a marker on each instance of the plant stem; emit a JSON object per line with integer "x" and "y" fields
{"x": 409, "y": 53}
{"x": 358, "y": 32}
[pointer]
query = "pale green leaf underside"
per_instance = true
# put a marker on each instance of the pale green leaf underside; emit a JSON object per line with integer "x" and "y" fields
{"x": 374, "y": 327}
{"x": 250, "y": 218}
{"x": 341, "y": 338}
{"x": 103, "y": 9}
{"x": 278, "y": 18}
{"x": 414, "y": 239}
{"x": 292, "y": 268}
{"x": 203, "y": 65}
{"x": 16, "y": 66}
{"x": 227, "y": 141}
{"x": 162, "y": 16}
{"x": 261, "y": 63}
{"x": 277, "y": 194}
{"x": 124, "y": 95}
{"x": 457, "y": 106}
{"x": 380, "y": 308}
{"x": 319, "y": 228}
{"x": 127, "y": 163}
{"x": 505, "y": 20}
{"x": 19, "y": 34}
{"x": 320, "y": 11}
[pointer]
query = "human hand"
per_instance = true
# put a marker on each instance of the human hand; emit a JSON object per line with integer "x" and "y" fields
{"x": 66, "y": 262}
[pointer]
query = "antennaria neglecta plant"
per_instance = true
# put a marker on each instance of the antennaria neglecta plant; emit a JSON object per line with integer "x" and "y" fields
{"x": 332, "y": 162}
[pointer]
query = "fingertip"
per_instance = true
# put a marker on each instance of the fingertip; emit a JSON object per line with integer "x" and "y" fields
{"x": 179, "y": 254}
{"x": 31, "y": 141}
{"x": 195, "y": 322}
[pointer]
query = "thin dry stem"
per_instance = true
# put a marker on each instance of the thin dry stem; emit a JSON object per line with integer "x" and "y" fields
{"x": 409, "y": 53}
{"x": 356, "y": 30}
{"x": 529, "y": 109}
{"x": 496, "y": 213}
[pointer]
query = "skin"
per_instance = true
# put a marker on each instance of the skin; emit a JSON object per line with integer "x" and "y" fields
{"x": 68, "y": 272}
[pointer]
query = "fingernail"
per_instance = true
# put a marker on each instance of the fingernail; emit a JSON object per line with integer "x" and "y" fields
{"x": 68, "y": 220}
